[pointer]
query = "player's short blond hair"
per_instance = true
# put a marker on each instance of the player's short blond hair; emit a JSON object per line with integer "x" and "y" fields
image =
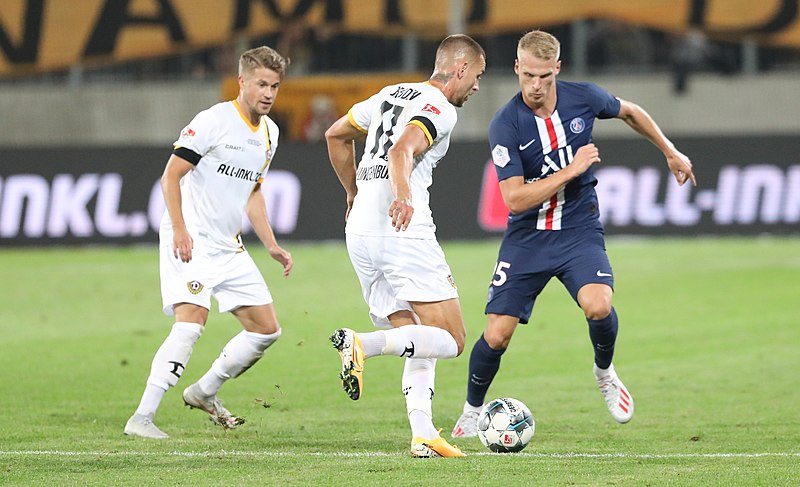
{"x": 262, "y": 57}
{"x": 540, "y": 44}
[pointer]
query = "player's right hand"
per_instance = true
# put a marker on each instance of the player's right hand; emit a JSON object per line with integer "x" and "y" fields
{"x": 182, "y": 244}
{"x": 585, "y": 157}
{"x": 401, "y": 212}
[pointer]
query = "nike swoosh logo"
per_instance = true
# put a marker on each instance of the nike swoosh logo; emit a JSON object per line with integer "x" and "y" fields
{"x": 523, "y": 147}
{"x": 603, "y": 274}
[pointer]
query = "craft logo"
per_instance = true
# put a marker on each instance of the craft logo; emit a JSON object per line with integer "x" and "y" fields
{"x": 194, "y": 287}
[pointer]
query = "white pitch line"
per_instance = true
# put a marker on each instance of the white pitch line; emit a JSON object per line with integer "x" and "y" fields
{"x": 366, "y": 454}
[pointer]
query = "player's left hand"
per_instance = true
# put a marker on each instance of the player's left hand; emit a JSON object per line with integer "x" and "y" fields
{"x": 401, "y": 212}
{"x": 681, "y": 167}
{"x": 283, "y": 257}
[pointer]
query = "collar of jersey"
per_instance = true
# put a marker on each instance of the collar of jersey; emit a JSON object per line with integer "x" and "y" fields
{"x": 254, "y": 128}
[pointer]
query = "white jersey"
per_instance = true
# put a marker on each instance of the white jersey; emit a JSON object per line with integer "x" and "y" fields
{"x": 383, "y": 117}
{"x": 234, "y": 156}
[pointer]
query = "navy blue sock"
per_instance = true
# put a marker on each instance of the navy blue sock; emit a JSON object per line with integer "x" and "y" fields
{"x": 484, "y": 361}
{"x": 603, "y": 334}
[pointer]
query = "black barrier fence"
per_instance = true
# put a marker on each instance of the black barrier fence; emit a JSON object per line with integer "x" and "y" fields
{"x": 73, "y": 196}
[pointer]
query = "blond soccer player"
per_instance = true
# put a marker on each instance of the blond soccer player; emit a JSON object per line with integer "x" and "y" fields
{"x": 212, "y": 179}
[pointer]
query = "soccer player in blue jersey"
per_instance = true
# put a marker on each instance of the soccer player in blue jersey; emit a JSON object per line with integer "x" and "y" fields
{"x": 542, "y": 148}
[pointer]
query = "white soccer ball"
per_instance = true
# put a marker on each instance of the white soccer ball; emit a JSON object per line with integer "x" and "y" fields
{"x": 505, "y": 425}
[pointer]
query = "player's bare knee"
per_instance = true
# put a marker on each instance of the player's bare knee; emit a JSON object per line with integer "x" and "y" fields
{"x": 497, "y": 339}
{"x": 190, "y": 313}
{"x": 597, "y": 310}
{"x": 460, "y": 338}
{"x": 263, "y": 328}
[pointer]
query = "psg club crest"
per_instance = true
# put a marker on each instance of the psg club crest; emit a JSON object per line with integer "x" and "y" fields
{"x": 577, "y": 125}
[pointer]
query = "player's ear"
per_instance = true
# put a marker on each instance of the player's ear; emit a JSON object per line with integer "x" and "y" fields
{"x": 516, "y": 66}
{"x": 462, "y": 69}
{"x": 558, "y": 66}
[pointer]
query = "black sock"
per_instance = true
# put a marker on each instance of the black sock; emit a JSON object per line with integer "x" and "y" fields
{"x": 603, "y": 334}
{"x": 484, "y": 361}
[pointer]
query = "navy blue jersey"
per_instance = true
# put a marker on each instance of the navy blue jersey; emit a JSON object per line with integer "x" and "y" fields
{"x": 535, "y": 148}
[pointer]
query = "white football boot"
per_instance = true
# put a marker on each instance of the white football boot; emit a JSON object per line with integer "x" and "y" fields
{"x": 617, "y": 397}
{"x": 195, "y": 399}
{"x": 141, "y": 425}
{"x": 466, "y": 426}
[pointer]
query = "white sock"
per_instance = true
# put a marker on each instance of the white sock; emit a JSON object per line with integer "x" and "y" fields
{"x": 418, "y": 387}
{"x": 168, "y": 364}
{"x": 151, "y": 398}
{"x": 422, "y": 425}
{"x": 469, "y": 408}
{"x": 238, "y": 355}
{"x": 373, "y": 343}
{"x": 419, "y": 341}
{"x": 600, "y": 373}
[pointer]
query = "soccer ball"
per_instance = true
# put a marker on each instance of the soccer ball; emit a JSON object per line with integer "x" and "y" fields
{"x": 505, "y": 425}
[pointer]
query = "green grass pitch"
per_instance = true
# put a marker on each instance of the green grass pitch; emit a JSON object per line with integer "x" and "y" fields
{"x": 709, "y": 346}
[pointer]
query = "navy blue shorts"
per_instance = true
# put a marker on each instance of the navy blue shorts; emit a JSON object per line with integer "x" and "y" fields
{"x": 528, "y": 258}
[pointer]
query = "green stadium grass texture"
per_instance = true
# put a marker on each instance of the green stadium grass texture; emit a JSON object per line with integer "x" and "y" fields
{"x": 709, "y": 346}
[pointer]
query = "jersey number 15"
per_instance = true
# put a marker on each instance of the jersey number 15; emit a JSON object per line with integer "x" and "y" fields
{"x": 500, "y": 276}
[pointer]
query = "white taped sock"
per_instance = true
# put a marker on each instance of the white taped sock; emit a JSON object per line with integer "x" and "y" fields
{"x": 168, "y": 364}
{"x": 373, "y": 342}
{"x": 418, "y": 387}
{"x": 238, "y": 355}
{"x": 420, "y": 341}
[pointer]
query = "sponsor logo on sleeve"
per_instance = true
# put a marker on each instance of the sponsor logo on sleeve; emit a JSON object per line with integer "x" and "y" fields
{"x": 431, "y": 109}
{"x": 500, "y": 155}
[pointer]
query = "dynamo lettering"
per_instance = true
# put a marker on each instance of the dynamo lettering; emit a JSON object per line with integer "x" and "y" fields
{"x": 379, "y": 171}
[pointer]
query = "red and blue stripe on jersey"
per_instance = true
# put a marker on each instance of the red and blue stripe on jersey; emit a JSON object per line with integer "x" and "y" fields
{"x": 539, "y": 147}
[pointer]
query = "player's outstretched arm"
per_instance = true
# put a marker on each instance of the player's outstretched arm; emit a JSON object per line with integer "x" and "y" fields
{"x": 177, "y": 167}
{"x": 411, "y": 143}
{"x": 257, "y": 214}
{"x": 340, "y": 138}
{"x": 641, "y": 121}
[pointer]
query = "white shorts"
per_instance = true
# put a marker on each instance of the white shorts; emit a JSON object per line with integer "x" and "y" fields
{"x": 231, "y": 277}
{"x": 394, "y": 271}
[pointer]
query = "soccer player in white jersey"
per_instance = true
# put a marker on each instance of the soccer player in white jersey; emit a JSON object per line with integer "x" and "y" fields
{"x": 213, "y": 177}
{"x": 390, "y": 233}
